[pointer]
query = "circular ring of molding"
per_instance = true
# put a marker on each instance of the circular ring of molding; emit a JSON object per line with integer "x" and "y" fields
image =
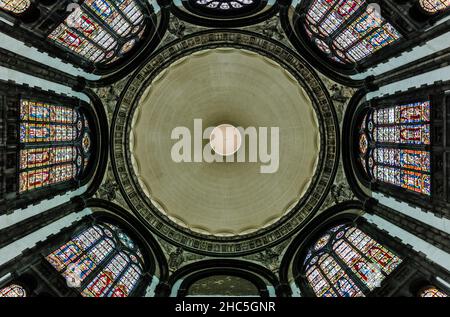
{"x": 265, "y": 237}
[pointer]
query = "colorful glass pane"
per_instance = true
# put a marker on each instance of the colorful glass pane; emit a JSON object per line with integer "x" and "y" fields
{"x": 408, "y": 159}
{"x": 432, "y": 292}
{"x": 224, "y": 4}
{"x": 86, "y": 143}
{"x": 337, "y": 228}
{"x": 84, "y": 24}
{"x": 416, "y": 112}
{"x": 128, "y": 46}
{"x": 327, "y": 271}
{"x": 45, "y": 112}
{"x": 126, "y": 240}
{"x": 403, "y": 124}
{"x": 319, "y": 284}
{"x": 42, "y": 177}
{"x": 338, "y": 15}
{"x": 375, "y": 41}
{"x": 48, "y": 125}
{"x": 433, "y": 6}
{"x": 322, "y": 46}
{"x": 64, "y": 255}
{"x": 88, "y": 262}
{"x": 364, "y": 35}
{"x": 71, "y": 40}
{"x": 343, "y": 284}
{"x": 365, "y": 23}
{"x": 42, "y": 132}
{"x": 132, "y": 11}
{"x": 403, "y": 134}
{"x": 357, "y": 263}
{"x": 387, "y": 174}
{"x": 67, "y": 253}
{"x": 322, "y": 242}
{"x": 84, "y": 35}
{"x": 40, "y": 157}
{"x": 416, "y": 182}
{"x": 413, "y": 181}
{"x": 96, "y": 248}
{"x": 88, "y": 237}
{"x": 101, "y": 250}
{"x": 319, "y": 9}
{"x": 101, "y": 284}
{"x": 126, "y": 283}
{"x": 363, "y": 144}
{"x": 13, "y": 290}
{"x": 107, "y": 11}
{"x": 373, "y": 250}
{"x": 15, "y": 6}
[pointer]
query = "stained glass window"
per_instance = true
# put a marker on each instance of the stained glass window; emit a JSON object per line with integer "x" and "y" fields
{"x": 55, "y": 144}
{"x": 15, "y": 6}
{"x": 101, "y": 31}
{"x": 432, "y": 292}
{"x": 104, "y": 259}
{"x": 225, "y": 5}
{"x": 396, "y": 153}
{"x": 13, "y": 290}
{"x": 348, "y": 31}
{"x": 346, "y": 262}
{"x": 433, "y": 6}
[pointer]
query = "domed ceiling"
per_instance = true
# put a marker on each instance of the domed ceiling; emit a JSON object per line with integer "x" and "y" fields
{"x": 235, "y": 78}
{"x": 224, "y": 86}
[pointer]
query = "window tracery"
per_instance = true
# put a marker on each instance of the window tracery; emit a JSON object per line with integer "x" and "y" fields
{"x": 434, "y": 6}
{"x": 346, "y": 262}
{"x": 101, "y": 31}
{"x": 432, "y": 291}
{"x": 348, "y": 31}
{"x": 15, "y": 6}
{"x": 55, "y": 144}
{"x": 397, "y": 154}
{"x": 104, "y": 259}
{"x": 13, "y": 290}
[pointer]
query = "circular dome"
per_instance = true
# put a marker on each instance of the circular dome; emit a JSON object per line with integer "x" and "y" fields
{"x": 228, "y": 207}
{"x": 249, "y": 91}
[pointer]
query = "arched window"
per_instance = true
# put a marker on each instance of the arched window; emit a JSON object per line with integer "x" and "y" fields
{"x": 13, "y": 290}
{"x": 346, "y": 262}
{"x": 225, "y": 5}
{"x": 431, "y": 291}
{"x": 101, "y": 261}
{"x": 55, "y": 144}
{"x": 348, "y": 31}
{"x": 101, "y": 31}
{"x": 434, "y": 6}
{"x": 393, "y": 146}
{"x": 15, "y": 6}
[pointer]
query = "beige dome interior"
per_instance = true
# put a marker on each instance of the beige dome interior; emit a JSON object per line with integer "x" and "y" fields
{"x": 231, "y": 86}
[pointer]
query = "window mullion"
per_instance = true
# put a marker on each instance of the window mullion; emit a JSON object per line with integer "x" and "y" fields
{"x": 101, "y": 22}
{"x": 353, "y": 17}
{"x": 319, "y": 267}
{"x": 355, "y": 279}
{"x": 81, "y": 35}
{"x": 96, "y": 271}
